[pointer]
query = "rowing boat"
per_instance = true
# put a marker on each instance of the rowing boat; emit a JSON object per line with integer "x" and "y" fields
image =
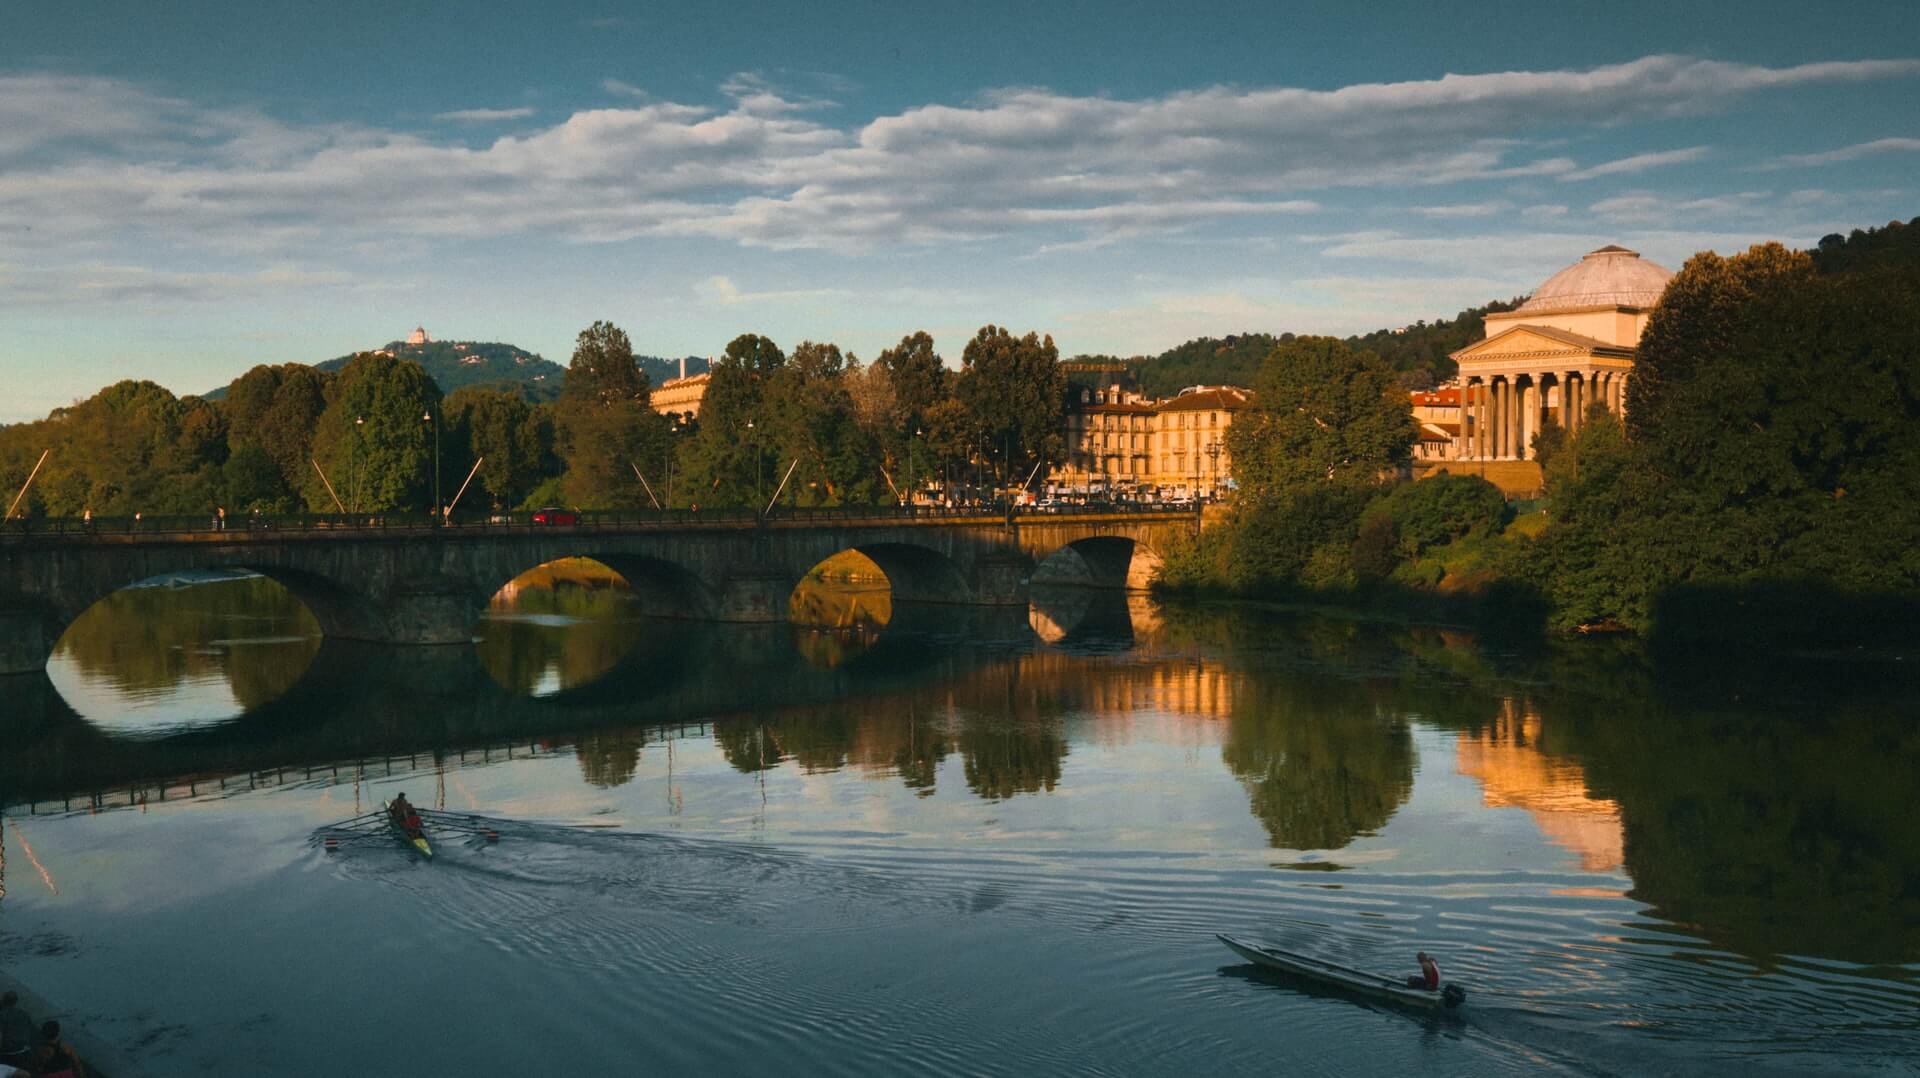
{"x": 416, "y": 837}
{"x": 1373, "y": 986}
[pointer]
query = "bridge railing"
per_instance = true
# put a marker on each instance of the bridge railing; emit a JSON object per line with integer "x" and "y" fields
{"x": 521, "y": 520}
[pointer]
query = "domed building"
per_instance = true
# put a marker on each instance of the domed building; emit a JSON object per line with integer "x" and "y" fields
{"x": 1566, "y": 349}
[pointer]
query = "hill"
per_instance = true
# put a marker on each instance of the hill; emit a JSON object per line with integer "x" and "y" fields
{"x": 458, "y": 364}
{"x": 1419, "y": 352}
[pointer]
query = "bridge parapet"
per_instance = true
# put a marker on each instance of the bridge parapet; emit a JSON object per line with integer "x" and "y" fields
{"x": 405, "y": 580}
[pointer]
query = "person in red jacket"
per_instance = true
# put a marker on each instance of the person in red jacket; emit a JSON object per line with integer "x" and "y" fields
{"x": 1429, "y": 976}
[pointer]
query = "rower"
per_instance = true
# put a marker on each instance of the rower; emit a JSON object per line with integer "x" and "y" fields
{"x": 404, "y": 813}
{"x": 1429, "y": 975}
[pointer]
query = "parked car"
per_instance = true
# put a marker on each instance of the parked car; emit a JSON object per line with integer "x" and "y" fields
{"x": 553, "y": 514}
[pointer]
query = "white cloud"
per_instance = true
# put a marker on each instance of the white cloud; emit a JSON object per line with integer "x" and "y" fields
{"x": 87, "y": 163}
{"x": 483, "y": 116}
{"x": 1460, "y": 210}
{"x": 1638, "y": 163}
{"x": 85, "y": 285}
{"x": 1642, "y": 208}
{"x": 623, "y": 89}
{"x": 1850, "y": 153}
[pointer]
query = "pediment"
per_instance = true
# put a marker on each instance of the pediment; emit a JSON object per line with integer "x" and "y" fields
{"x": 1528, "y": 341}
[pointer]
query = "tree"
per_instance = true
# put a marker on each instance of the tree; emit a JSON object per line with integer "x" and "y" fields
{"x": 1322, "y": 412}
{"x": 371, "y": 441}
{"x": 1015, "y": 392}
{"x": 726, "y": 460}
{"x": 277, "y": 409}
{"x": 605, "y": 425}
{"x": 512, "y": 440}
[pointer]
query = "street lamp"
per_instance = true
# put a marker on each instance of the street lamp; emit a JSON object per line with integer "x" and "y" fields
{"x": 673, "y": 429}
{"x": 1213, "y": 452}
{"x": 754, "y": 441}
{"x": 910, "y": 441}
{"x": 353, "y": 458}
{"x": 428, "y": 418}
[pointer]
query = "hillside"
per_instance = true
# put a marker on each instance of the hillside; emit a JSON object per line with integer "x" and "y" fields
{"x": 459, "y": 364}
{"x": 1419, "y": 352}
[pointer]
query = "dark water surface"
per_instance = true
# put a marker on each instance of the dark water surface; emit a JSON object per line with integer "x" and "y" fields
{"x": 931, "y": 840}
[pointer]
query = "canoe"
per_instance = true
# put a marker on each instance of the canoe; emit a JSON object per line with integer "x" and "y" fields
{"x": 414, "y": 837}
{"x": 1372, "y": 986}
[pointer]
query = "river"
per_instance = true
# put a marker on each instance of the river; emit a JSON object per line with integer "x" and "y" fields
{"x": 949, "y": 841}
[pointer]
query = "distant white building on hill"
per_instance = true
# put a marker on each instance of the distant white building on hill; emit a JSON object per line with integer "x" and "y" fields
{"x": 419, "y": 336}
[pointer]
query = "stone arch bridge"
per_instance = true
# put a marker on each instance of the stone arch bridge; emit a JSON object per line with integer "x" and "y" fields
{"x": 417, "y": 584}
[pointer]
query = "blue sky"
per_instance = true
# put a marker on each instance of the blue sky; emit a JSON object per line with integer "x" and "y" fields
{"x": 185, "y": 193}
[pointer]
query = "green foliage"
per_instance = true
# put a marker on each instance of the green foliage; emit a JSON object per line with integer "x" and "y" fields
{"x": 1422, "y": 352}
{"x": 1420, "y": 516}
{"x": 133, "y": 447}
{"x": 1015, "y": 396}
{"x": 1895, "y": 247}
{"x": 513, "y": 441}
{"x": 1321, "y": 412}
{"x": 726, "y": 460}
{"x": 1231, "y": 360}
{"x": 605, "y": 429}
{"x": 373, "y": 440}
{"x": 461, "y": 364}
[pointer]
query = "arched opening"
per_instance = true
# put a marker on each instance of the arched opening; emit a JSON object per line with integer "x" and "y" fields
{"x": 1101, "y": 561}
{"x": 840, "y": 607}
{"x": 187, "y": 650}
{"x": 560, "y": 626}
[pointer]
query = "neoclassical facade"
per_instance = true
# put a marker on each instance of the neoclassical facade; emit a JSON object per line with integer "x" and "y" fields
{"x": 1568, "y": 347}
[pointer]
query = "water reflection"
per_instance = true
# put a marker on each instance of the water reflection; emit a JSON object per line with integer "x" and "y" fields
{"x": 1770, "y": 830}
{"x": 558, "y": 627}
{"x": 155, "y": 659}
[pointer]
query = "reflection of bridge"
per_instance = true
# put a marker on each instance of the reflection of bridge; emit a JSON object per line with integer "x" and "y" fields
{"x": 359, "y": 705}
{"x": 423, "y": 585}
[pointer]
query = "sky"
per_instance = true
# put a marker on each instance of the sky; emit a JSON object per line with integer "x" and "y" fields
{"x": 190, "y": 189}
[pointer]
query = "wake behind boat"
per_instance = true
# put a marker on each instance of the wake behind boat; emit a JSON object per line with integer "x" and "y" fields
{"x": 1374, "y": 986}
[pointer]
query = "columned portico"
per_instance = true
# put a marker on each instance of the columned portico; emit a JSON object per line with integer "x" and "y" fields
{"x": 1566, "y": 349}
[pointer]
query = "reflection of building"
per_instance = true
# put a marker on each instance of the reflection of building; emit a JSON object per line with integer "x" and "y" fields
{"x": 1514, "y": 773}
{"x": 1566, "y": 349}
{"x": 1119, "y": 441}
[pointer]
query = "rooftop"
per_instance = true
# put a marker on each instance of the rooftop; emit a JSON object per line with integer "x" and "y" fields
{"x": 1609, "y": 277}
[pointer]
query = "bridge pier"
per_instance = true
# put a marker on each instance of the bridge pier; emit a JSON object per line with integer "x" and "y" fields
{"x": 753, "y": 595}
{"x": 26, "y": 640}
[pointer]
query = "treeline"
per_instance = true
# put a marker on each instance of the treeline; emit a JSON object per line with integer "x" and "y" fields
{"x": 378, "y": 434}
{"x": 1419, "y": 354}
{"x": 1766, "y": 481}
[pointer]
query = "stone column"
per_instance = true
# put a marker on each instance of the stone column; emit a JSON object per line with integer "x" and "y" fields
{"x": 1495, "y": 435}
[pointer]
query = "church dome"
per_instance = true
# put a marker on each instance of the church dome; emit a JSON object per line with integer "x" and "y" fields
{"x": 1609, "y": 277}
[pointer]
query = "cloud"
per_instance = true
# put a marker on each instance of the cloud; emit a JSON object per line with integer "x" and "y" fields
{"x": 89, "y": 163}
{"x": 1642, "y": 208}
{"x": 1849, "y": 153}
{"x": 483, "y": 116}
{"x": 623, "y": 89}
{"x": 80, "y": 286}
{"x": 1459, "y": 211}
{"x": 720, "y": 290}
{"x": 1639, "y": 162}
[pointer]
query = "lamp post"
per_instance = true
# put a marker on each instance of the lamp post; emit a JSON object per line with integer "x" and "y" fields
{"x": 673, "y": 431}
{"x": 428, "y": 417}
{"x": 754, "y": 441}
{"x": 910, "y": 444}
{"x": 1214, "y": 449}
{"x": 353, "y": 458}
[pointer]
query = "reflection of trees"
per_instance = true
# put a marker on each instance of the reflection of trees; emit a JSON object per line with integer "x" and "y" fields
{"x": 578, "y": 633}
{"x": 148, "y": 640}
{"x": 1322, "y": 763}
{"x": 1007, "y": 756}
{"x": 611, "y": 757}
{"x": 1773, "y": 834}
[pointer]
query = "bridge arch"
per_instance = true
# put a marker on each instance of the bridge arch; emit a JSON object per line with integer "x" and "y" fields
{"x": 1118, "y": 562}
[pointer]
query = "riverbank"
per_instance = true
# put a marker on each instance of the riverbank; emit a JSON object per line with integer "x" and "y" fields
{"x": 103, "y": 1060}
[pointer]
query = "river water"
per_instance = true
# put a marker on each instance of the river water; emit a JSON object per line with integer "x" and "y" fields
{"x": 933, "y": 840}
